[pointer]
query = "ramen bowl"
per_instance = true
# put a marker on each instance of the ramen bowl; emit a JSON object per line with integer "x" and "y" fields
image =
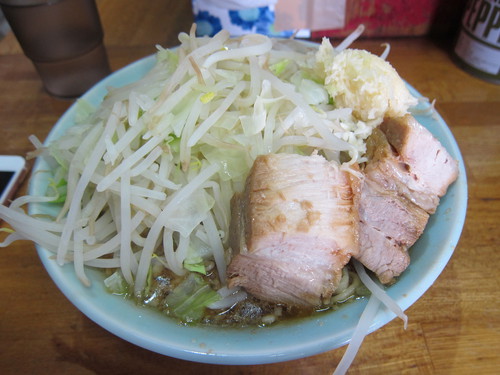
{"x": 283, "y": 341}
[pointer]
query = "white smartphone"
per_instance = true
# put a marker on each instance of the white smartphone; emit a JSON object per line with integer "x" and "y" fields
{"x": 12, "y": 172}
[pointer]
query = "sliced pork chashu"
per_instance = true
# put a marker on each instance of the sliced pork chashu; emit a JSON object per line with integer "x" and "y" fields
{"x": 293, "y": 229}
{"x": 389, "y": 225}
{"x": 388, "y": 170}
{"x": 427, "y": 160}
{"x": 408, "y": 171}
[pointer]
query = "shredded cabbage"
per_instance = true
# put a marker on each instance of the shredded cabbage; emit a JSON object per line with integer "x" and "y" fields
{"x": 116, "y": 284}
{"x": 189, "y": 299}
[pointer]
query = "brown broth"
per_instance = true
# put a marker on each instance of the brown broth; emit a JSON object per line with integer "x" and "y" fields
{"x": 252, "y": 312}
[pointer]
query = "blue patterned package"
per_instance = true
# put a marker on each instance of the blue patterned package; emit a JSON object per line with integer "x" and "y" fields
{"x": 211, "y": 16}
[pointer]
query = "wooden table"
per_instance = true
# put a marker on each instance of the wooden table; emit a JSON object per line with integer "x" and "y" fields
{"x": 454, "y": 328}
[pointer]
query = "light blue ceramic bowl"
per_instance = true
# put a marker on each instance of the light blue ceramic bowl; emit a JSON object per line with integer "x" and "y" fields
{"x": 151, "y": 330}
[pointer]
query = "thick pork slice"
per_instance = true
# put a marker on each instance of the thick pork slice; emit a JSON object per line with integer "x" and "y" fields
{"x": 427, "y": 161}
{"x": 389, "y": 225}
{"x": 293, "y": 229}
{"x": 407, "y": 172}
{"x": 386, "y": 169}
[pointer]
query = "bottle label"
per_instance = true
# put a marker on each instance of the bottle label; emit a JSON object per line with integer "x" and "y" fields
{"x": 478, "y": 43}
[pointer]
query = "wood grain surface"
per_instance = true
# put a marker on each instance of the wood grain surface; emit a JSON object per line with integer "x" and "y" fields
{"x": 454, "y": 328}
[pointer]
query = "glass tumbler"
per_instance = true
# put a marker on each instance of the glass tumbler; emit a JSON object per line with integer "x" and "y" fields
{"x": 63, "y": 39}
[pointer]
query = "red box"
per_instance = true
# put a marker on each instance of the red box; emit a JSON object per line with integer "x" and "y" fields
{"x": 389, "y": 18}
